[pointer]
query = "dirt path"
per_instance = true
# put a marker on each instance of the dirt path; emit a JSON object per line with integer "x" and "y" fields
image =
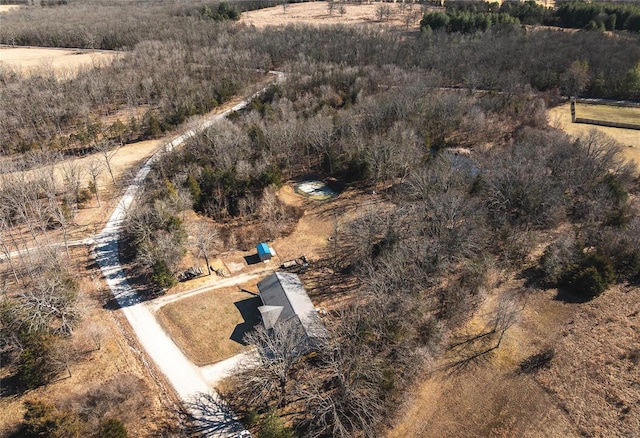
{"x": 236, "y": 280}
{"x": 213, "y": 418}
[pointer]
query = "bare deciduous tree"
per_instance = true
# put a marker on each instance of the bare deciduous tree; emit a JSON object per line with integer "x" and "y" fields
{"x": 264, "y": 377}
{"x": 95, "y": 168}
{"x": 107, "y": 153}
{"x": 207, "y": 238}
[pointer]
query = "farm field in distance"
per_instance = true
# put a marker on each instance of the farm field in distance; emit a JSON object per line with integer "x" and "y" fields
{"x": 7, "y": 8}
{"x": 62, "y": 62}
{"x": 401, "y": 16}
{"x": 560, "y": 116}
{"x": 608, "y": 113}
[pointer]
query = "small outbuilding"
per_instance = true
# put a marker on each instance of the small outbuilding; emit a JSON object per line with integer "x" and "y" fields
{"x": 284, "y": 298}
{"x": 264, "y": 252}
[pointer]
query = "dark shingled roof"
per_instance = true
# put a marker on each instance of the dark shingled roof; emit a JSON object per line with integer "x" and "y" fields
{"x": 284, "y": 297}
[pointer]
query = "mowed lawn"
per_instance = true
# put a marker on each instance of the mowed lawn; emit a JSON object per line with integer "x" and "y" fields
{"x": 560, "y": 117}
{"x": 608, "y": 113}
{"x": 203, "y": 325}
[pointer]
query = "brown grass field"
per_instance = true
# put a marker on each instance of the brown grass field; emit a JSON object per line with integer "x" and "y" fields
{"x": 317, "y": 13}
{"x": 609, "y": 113}
{"x": 202, "y": 325}
{"x": 560, "y": 117}
{"x": 7, "y": 8}
{"x": 63, "y": 63}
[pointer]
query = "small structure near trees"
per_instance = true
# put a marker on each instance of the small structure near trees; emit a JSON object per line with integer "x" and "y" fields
{"x": 264, "y": 252}
{"x": 285, "y": 300}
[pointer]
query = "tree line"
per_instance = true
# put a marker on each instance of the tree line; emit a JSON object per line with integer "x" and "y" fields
{"x": 44, "y": 113}
{"x": 40, "y": 112}
{"x": 471, "y": 17}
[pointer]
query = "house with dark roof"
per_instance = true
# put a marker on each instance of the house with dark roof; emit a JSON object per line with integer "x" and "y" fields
{"x": 284, "y": 299}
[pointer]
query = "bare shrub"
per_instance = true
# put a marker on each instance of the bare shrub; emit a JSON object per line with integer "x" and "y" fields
{"x": 125, "y": 397}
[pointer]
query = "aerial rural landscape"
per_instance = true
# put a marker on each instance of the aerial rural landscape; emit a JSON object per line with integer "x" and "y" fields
{"x": 279, "y": 219}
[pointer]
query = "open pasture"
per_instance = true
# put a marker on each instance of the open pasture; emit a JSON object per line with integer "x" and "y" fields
{"x": 41, "y": 60}
{"x": 401, "y": 16}
{"x": 560, "y": 117}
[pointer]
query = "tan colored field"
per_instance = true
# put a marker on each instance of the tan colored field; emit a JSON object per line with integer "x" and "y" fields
{"x": 487, "y": 396}
{"x": 7, "y": 8}
{"x": 560, "y": 117}
{"x": 202, "y": 325}
{"x": 63, "y": 62}
{"x": 608, "y": 113}
{"x": 404, "y": 16}
{"x": 317, "y": 13}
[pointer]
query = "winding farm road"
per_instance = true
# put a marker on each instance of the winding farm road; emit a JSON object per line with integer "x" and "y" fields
{"x": 212, "y": 418}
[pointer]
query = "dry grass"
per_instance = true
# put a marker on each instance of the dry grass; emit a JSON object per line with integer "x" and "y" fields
{"x": 488, "y": 396}
{"x": 608, "y": 113}
{"x": 596, "y": 371}
{"x": 202, "y": 325}
{"x": 317, "y": 14}
{"x": 560, "y": 117}
{"x": 63, "y": 62}
{"x": 588, "y": 389}
{"x": 117, "y": 356}
{"x": 7, "y": 8}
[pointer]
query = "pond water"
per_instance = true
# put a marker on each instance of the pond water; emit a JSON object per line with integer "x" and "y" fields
{"x": 316, "y": 190}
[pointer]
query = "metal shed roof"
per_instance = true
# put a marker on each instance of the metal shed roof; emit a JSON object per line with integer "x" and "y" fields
{"x": 263, "y": 249}
{"x": 284, "y": 290}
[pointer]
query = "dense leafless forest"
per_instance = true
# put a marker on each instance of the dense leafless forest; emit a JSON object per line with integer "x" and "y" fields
{"x": 449, "y": 129}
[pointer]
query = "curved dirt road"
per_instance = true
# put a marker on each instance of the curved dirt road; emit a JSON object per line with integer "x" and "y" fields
{"x": 213, "y": 419}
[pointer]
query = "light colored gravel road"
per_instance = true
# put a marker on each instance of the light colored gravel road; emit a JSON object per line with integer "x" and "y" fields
{"x": 212, "y": 417}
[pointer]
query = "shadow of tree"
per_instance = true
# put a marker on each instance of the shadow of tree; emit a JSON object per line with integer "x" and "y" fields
{"x": 208, "y": 415}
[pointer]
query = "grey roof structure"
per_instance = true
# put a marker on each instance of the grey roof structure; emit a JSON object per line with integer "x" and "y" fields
{"x": 284, "y": 297}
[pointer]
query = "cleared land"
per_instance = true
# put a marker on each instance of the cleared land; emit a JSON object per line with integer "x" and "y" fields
{"x": 317, "y": 13}
{"x": 203, "y": 326}
{"x": 560, "y": 117}
{"x": 35, "y": 60}
{"x": 608, "y": 113}
{"x": 7, "y": 8}
{"x": 589, "y": 385}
